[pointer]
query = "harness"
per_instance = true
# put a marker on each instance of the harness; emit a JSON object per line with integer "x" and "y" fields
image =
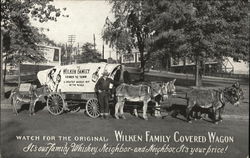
{"x": 140, "y": 91}
{"x": 226, "y": 96}
{"x": 160, "y": 91}
{"x": 140, "y": 87}
{"x": 222, "y": 95}
{"x": 219, "y": 94}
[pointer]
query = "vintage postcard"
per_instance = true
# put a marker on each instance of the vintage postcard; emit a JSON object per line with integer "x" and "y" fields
{"x": 119, "y": 79}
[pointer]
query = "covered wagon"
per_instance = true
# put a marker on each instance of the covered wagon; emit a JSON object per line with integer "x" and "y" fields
{"x": 70, "y": 86}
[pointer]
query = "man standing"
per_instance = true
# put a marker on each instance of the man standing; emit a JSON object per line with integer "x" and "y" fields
{"x": 102, "y": 87}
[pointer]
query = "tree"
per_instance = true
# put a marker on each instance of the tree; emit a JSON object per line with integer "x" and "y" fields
{"x": 20, "y": 39}
{"x": 130, "y": 27}
{"x": 116, "y": 36}
{"x": 88, "y": 54}
{"x": 201, "y": 30}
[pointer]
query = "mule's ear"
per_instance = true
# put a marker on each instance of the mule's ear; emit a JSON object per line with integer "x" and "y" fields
{"x": 166, "y": 84}
{"x": 236, "y": 84}
{"x": 174, "y": 81}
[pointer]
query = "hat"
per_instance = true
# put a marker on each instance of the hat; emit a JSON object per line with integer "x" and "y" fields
{"x": 105, "y": 73}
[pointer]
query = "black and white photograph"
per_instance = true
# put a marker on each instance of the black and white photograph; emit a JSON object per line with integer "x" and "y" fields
{"x": 124, "y": 79}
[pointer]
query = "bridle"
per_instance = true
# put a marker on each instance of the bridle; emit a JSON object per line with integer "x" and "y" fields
{"x": 154, "y": 90}
{"x": 160, "y": 91}
{"x": 225, "y": 95}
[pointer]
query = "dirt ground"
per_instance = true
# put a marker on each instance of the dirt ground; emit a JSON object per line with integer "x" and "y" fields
{"x": 182, "y": 85}
{"x": 235, "y": 127}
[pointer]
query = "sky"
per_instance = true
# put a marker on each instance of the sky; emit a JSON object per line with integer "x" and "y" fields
{"x": 86, "y": 18}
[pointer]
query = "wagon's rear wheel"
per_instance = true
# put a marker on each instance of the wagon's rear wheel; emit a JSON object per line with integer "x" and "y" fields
{"x": 55, "y": 104}
{"x": 92, "y": 108}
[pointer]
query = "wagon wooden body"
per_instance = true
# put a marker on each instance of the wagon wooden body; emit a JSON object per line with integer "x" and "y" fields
{"x": 71, "y": 86}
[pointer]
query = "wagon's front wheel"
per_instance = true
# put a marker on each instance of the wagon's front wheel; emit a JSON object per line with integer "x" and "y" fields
{"x": 55, "y": 104}
{"x": 92, "y": 108}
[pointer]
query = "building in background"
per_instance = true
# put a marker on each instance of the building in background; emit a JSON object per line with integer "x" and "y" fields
{"x": 210, "y": 66}
{"x": 53, "y": 58}
{"x": 52, "y": 55}
{"x": 131, "y": 59}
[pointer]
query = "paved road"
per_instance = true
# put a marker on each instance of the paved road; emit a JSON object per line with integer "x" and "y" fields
{"x": 78, "y": 128}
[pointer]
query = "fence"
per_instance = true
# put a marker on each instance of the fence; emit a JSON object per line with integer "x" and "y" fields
{"x": 228, "y": 75}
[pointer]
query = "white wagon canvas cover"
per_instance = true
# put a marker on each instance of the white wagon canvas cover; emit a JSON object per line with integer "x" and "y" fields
{"x": 75, "y": 78}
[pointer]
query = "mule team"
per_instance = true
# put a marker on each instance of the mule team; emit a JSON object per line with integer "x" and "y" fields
{"x": 213, "y": 100}
{"x": 143, "y": 93}
{"x": 198, "y": 100}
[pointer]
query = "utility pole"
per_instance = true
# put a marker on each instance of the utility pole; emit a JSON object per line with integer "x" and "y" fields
{"x": 103, "y": 50}
{"x": 71, "y": 40}
{"x": 78, "y": 51}
{"x": 94, "y": 41}
{"x": 66, "y": 51}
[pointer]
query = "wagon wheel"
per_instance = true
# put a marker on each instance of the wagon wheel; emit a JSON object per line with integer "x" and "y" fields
{"x": 92, "y": 108}
{"x": 55, "y": 104}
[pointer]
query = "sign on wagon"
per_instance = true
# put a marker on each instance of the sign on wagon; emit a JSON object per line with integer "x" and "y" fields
{"x": 74, "y": 78}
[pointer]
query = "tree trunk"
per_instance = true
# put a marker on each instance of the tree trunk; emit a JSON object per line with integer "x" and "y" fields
{"x": 184, "y": 65}
{"x": 142, "y": 68}
{"x": 5, "y": 70}
{"x": 2, "y": 84}
{"x": 141, "y": 50}
{"x": 166, "y": 64}
{"x": 19, "y": 74}
{"x": 197, "y": 69}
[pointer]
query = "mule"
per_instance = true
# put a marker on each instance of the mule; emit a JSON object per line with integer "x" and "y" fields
{"x": 213, "y": 100}
{"x": 160, "y": 92}
{"x": 36, "y": 94}
{"x": 142, "y": 93}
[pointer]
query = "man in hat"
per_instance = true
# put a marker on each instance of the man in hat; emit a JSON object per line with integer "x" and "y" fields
{"x": 102, "y": 87}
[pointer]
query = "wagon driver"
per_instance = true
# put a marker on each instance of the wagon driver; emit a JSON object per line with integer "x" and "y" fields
{"x": 102, "y": 87}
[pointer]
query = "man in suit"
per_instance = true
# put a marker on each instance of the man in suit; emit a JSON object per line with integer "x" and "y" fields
{"x": 102, "y": 87}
